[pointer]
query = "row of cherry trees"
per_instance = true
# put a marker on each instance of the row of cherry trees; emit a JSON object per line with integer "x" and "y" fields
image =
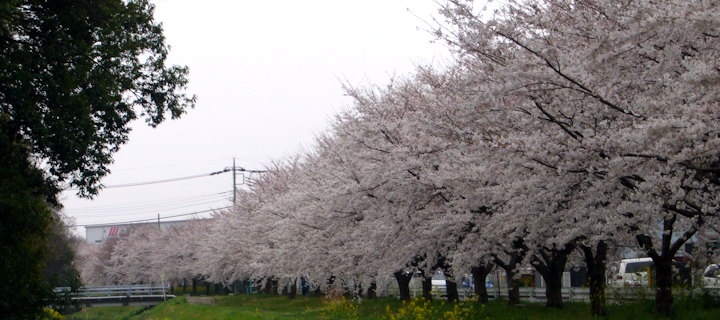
{"x": 560, "y": 127}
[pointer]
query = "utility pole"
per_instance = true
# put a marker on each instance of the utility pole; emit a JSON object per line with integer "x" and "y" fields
{"x": 234, "y": 171}
{"x": 234, "y": 185}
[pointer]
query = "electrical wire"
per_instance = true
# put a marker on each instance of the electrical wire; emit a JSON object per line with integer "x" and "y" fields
{"x": 161, "y": 181}
{"x": 144, "y": 220}
{"x": 149, "y": 204}
{"x": 138, "y": 212}
{"x": 153, "y": 207}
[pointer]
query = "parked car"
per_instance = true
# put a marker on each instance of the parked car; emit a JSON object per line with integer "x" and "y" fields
{"x": 631, "y": 273}
{"x": 466, "y": 285}
{"x": 438, "y": 284}
{"x": 711, "y": 276}
{"x": 634, "y": 273}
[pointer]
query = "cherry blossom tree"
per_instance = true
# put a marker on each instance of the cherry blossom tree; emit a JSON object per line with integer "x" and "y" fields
{"x": 560, "y": 125}
{"x": 133, "y": 260}
{"x": 89, "y": 264}
{"x": 405, "y": 180}
{"x": 179, "y": 251}
{"x": 630, "y": 89}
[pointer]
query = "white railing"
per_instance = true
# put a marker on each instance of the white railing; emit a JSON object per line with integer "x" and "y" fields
{"x": 612, "y": 295}
{"x": 135, "y": 290}
{"x": 570, "y": 294}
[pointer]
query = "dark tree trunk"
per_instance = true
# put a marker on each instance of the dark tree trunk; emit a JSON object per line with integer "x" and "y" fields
{"x": 184, "y": 286}
{"x": 330, "y": 283}
{"x": 403, "y": 280}
{"x": 372, "y": 291}
{"x": 270, "y": 286}
{"x": 663, "y": 281}
{"x": 266, "y": 287}
{"x": 427, "y": 288}
{"x": 516, "y": 256}
{"x": 451, "y": 287}
{"x": 194, "y": 285}
{"x": 596, "y": 277}
{"x": 172, "y": 288}
{"x": 284, "y": 290}
{"x": 293, "y": 289}
{"x": 550, "y": 263}
{"x": 452, "y": 290}
{"x": 207, "y": 288}
{"x": 663, "y": 261}
{"x": 479, "y": 273}
{"x": 513, "y": 287}
{"x": 553, "y": 288}
{"x": 217, "y": 289}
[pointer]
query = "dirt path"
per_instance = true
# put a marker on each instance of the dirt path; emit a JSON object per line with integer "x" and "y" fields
{"x": 201, "y": 300}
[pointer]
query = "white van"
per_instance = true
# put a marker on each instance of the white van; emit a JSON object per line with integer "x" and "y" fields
{"x": 711, "y": 276}
{"x": 631, "y": 273}
{"x": 438, "y": 284}
{"x": 466, "y": 285}
{"x": 634, "y": 273}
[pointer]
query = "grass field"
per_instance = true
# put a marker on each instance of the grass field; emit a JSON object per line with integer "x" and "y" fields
{"x": 263, "y": 307}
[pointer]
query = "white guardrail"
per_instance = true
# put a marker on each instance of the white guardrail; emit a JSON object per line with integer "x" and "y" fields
{"x": 570, "y": 294}
{"x": 135, "y": 290}
{"x": 612, "y": 295}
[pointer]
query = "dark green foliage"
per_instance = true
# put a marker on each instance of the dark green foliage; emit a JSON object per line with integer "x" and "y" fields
{"x": 24, "y": 224}
{"x": 59, "y": 270}
{"x": 74, "y": 74}
{"x": 710, "y": 301}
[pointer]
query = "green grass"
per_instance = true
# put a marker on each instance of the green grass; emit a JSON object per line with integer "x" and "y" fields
{"x": 106, "y": 313}
{"x": 263, "y": 307}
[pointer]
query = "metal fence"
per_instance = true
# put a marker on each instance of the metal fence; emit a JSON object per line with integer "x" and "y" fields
{"x": 135, "y": 290}
{"x": 613, "y": 295}
{"x": 139, "y": 295}
{"x": 569, "y": 294}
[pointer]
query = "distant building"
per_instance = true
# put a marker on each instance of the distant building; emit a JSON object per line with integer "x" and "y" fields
{"x": 100, "y": 232}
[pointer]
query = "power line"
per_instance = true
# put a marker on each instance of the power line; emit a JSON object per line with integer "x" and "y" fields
{"x": 229, "y": 169}
{"x": 152, "y": 202}
{"x": 143, "y": 211}
{"x": 161, "y": 181}
{"x": 144, "y": 220}
{"x": 149, "y": 204}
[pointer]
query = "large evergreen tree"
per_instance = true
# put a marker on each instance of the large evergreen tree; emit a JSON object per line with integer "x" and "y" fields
{"x": 74, "y": 74}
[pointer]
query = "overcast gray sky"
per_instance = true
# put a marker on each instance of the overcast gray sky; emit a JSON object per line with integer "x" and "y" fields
{"x": 268, "y": 77}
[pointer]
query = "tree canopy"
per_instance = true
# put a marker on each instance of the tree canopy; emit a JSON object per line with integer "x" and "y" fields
{"x": 587, "y": 124}
{"x": 75, "y": 73}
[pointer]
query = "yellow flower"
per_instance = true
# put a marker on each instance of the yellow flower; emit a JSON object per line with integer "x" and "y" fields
{"x": 53, "y": 314}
